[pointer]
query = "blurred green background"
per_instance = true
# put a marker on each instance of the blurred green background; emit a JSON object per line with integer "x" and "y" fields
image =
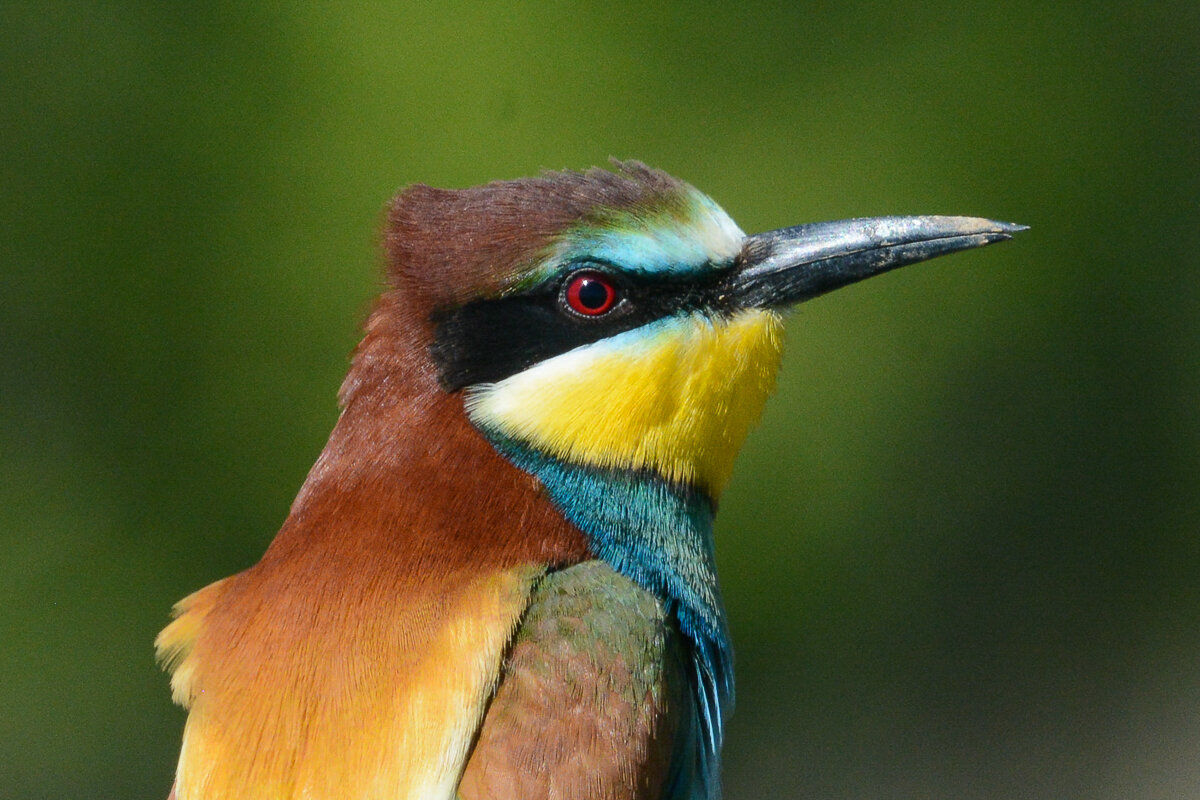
{"x": 960, "y": 554}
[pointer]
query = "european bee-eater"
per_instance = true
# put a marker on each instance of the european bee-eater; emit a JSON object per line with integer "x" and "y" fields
{"x": 498, "y": 581}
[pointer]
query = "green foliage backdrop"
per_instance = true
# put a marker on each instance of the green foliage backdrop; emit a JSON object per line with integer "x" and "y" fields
{"x": 961, "y": 552}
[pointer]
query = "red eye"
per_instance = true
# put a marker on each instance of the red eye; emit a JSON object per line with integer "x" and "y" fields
{"x": 590, "y": 294}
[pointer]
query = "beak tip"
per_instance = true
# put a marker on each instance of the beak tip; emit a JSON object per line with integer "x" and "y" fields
{"x": 982, "y": 231}
{"x": 972, "y": 225}
{"x": 1002, "y": 231}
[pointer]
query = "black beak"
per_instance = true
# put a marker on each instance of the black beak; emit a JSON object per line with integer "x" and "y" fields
{"x": 791, "y": 265}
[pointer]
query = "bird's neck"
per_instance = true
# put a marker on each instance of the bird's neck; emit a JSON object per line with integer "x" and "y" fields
{"x": 660, "y": 535}
{"x": 406, "y": 480}
{"x": 354, "y": 660}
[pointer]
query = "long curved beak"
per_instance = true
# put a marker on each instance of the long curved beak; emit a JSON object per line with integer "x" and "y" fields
{"x": 791, "y": 265}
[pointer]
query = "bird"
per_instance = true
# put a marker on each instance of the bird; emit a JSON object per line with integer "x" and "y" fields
{"x": 498, "y": 578}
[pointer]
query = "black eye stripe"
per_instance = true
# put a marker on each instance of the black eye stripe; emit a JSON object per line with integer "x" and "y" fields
{"x": 488, "y": 340}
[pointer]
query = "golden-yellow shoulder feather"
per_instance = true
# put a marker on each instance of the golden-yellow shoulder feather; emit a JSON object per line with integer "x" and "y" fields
{"x": 354, "y": 702}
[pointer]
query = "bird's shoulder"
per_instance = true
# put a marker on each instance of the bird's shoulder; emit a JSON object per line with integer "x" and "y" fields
{"x": 593, "y": 693}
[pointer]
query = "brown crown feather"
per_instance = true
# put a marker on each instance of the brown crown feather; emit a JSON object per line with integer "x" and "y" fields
{"x": 448, "y": 246}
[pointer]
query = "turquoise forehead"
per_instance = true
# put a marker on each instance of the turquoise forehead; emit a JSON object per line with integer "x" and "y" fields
{"x": 681, "y": 233}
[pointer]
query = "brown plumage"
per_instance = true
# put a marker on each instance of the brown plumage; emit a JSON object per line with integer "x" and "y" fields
{"x": 405, "y": 514}
{"x": 515, "y": 598}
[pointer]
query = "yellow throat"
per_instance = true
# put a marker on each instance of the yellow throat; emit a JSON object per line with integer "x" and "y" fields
{"x": 676, "y": 397}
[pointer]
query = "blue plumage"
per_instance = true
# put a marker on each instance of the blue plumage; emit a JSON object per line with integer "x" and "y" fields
{"x": 660, "y": 536}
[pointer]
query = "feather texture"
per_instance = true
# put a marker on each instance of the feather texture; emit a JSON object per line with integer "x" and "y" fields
{"x": 675, "y": 397}
{"x": 381, "y": 717}
{"x": 595, "y": 687}
{"x": 658, "y": 535}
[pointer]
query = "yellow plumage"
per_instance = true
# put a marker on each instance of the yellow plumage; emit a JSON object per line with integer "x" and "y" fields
{"x": 676, "y": 397}
{"x": 175, "y": 643}
{"x": 268, "y": 726}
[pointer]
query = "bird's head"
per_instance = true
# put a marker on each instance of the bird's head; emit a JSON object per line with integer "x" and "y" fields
{"x": 621, "y": 319}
